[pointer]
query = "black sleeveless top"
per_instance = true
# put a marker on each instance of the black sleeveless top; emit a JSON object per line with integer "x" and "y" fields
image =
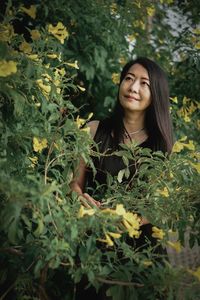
{"x": 111, "y": 164}
{"x": 108, "y": 163}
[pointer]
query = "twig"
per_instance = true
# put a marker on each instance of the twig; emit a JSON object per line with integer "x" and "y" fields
{"x": 54, "y": 159}
{"x": 42, "y": 292}
{"x": 8, "y": 290}
{"x": 12, "y": 251}
{"x": 118, "y": 282}
{"x": 47, "y": 164}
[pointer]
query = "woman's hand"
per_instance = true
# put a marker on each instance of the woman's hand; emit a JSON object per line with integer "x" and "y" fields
{"x": 144, "y": 221}
{"x": 91, "y": 200}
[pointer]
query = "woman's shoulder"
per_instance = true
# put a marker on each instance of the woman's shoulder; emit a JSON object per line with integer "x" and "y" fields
{"x": 93, "y": 125}
{"x": 99, "y": 127}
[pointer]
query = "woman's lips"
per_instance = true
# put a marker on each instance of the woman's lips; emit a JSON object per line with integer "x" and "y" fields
{"x": 131, "y": 98}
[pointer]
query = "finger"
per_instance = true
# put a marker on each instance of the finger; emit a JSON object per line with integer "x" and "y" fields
{"x": 91, "y": 200}
{"x": 84, "y": 202}
{"x": 144, "y": 221}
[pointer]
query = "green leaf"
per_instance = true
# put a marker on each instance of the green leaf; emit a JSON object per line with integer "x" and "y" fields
{"x": 40, "y": 228}
{"x": 120, "y": 175}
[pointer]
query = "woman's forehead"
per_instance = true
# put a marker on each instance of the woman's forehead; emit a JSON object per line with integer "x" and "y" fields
{"x": 138, "y": 71}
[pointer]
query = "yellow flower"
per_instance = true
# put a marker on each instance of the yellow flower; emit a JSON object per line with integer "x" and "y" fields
{"x": 120, "y": 211}
{"x": 25, "y": 47}
{"x": 133, "y": 219}
{"x": 59, "y": 31}
{"x": 185, "y": 100}
{"x": 150, "y": 11}
{"x": 58, "y": 90}
{"x": 179, "y": 145}
{"x": 114, "y": 235}
{"x": 86, "y": 129}
{"x": 107, "y": 240}
{"x": 113, "y": 8}
{"x": 61, "y": 71}
{"x": 30, "y": 11}
{"x": 80, "y": 122}
{"x": 190, "y": 145}
{"x": 139, "y": 23}
{"x": 174, "y": 99}
{"x": 56, "y": 82}
{"x": 34, "y": 161}
{"x": 90, "y": 116}
{"x": 164, "y": 192}
{"x": 35, "y": 34}
{"x": 47, "y": 77}
{"x": 115, "y": 78}
{"x": 39, "y": 144}
{"x": 175, "y": 245}
{"x": 157, "y": 233}
{"x": 196, "y": 166}
{"x": 73, "y": 65}
{"x": 6, "y": 32}
{"x": 108, "y": 211}
{"x": 7, "y": 68}
{"x": 82, "y": 212}
{"x": 122, "y": 61}
{"x": 53, "y": 55}
{"x": 130, "y": 220}
{"x": 33, "y": 57}
{"x": 187, "y": 119}
{"x": 197, "y": 45}
{"x": 147, "y": 263}
{"x": 196, "y": 31}
{"x": 132, "y": 232}
{"x": 132, "y": 223}
{"x": 81, "y": 88}
{"x": 192, "y": 108}
{"x": 45, "y": 89}
{"x": 195, "y": 273}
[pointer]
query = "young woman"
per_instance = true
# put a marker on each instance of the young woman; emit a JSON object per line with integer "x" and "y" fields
{"x": 141, "y": 115}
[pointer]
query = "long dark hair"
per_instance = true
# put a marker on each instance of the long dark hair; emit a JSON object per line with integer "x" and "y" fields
{"x": 157, "y": 118}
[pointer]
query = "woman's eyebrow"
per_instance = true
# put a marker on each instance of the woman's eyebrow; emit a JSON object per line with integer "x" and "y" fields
{"x": 144, "y": 78}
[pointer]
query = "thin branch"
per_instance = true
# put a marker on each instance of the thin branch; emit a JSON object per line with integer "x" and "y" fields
{"x": 12, "y": 251}
{"x": 8, "y": 290}
{"x": 54, "y": 159}
{"x": 118, "y": 282}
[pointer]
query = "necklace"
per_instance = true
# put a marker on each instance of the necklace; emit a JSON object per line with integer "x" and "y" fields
{"x": 127, "y": 134}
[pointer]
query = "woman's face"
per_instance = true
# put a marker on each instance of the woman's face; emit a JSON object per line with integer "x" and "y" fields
{"x": 134, "y": 90}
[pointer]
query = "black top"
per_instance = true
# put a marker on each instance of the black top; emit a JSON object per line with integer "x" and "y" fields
{"x": 110, "y": 163}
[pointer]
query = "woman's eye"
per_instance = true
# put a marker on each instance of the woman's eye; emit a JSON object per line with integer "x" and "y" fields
{"x": 128, "y": 78}
{"x": 145, "y": 83}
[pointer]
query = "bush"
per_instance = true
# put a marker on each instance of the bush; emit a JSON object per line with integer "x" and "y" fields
{"x": 49, "y": 242}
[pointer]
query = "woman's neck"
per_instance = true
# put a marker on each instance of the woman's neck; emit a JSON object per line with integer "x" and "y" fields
{"x": 134, "y": 121}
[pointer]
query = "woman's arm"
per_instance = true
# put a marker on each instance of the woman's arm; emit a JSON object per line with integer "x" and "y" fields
{"x": 78, "y": 182}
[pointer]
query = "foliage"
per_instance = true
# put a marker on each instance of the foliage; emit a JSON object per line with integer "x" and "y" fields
{"x": 49, "y": 242}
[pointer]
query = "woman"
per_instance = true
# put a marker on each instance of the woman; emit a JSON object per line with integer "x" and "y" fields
{"x": 141, "y": 115}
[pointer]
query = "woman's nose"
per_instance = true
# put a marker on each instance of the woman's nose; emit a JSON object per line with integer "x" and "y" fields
{"x": 134, "y": 86}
